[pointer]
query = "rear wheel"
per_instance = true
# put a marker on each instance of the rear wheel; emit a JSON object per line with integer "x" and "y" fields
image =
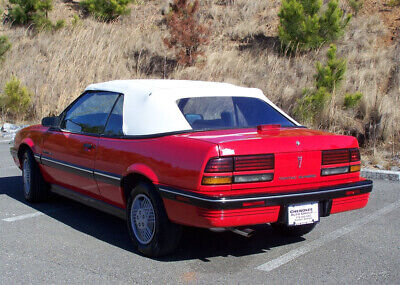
{"x": 296, "y": 231}
{"x": 35, "y": 188}
{"x": 149, "y": 227}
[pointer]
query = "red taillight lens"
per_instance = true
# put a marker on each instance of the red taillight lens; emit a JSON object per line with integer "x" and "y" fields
{"x": 340, "y": 156}
{"x": 335, "y": 156}
{"x": 254, "y": 162}
{"x": 354, "y": 155}
{"x": 239, "y": 163}
{"x": 219, "y": 165}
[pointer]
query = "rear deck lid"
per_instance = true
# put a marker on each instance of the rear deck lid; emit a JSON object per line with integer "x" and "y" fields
{"x": 297, "y": 151}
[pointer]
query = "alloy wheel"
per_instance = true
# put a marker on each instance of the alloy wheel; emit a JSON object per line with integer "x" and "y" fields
{"x": 143, "y": 219}
{"x": 27, "y": 176}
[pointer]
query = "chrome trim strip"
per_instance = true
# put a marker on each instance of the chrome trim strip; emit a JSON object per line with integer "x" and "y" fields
{"x": 192, "y": 197}
{"x": 108, "y": 176}
{"x": 67, "y": 165}
{"x": 233, "y": 200}
{"x": 37, "y": 157}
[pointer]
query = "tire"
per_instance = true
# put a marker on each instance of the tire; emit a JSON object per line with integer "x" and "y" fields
{"x": 34, "y": 187}
{"x": 150, "y": 230}
{"x": 294, "y": 231}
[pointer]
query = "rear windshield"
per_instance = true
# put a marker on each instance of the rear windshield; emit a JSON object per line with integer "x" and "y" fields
{"x": 211, "y": 113}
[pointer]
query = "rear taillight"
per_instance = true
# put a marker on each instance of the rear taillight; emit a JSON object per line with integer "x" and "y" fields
{"x": 254, "y": 162}
{"x": 340, "y": 156}
{"x": 225, "y": 165}
{"x": 335, "y": 156}
{"x": 354, "y": 155}
{"x": 216, "y": 165}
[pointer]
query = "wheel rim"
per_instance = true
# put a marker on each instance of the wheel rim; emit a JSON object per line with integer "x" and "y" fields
{"x": 143, "y": 219}
{"x": 26, "y": 176}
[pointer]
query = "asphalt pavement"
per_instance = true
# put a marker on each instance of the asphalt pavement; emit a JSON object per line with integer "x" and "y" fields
{"x": 63, "y": 242}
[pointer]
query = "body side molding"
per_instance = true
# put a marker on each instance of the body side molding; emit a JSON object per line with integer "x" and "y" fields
{"x": 106, "y": 177}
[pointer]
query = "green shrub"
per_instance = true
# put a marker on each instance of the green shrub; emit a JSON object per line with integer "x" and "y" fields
{"x": 26, "y": 12}
{"x": 16, "y": 99}
{"x": 106, "y": 10}
{"x": 394, "y": 3}
{"x": 4, "y": 46}
{"x": 356, "y": 5}
{"x": 332, "y": 22}
{"x": 311, "y": 104}
{"x": 44, "y": 24}
{"x": 331, "y": 74}
{"x": 352, "y": 100}
{"x": 304, "y": 26}
{"x": 22, "y": 12}
{"x": 75, "y": 21}
{"x": 327, "y": 79}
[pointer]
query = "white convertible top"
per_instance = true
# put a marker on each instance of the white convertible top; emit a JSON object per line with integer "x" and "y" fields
{"x": 150, "y": 105}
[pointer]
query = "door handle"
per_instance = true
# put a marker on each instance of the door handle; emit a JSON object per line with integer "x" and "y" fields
{"x": 88, "y": 146}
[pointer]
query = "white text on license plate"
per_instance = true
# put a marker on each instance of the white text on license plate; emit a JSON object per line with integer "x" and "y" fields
{"x": 302, "y": 214}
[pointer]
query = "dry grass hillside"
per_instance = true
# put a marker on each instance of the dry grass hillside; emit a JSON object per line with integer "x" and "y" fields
{"x": 243, "y": 50}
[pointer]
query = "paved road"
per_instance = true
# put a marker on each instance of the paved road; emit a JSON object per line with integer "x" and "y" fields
{"x": 64, "y": 242}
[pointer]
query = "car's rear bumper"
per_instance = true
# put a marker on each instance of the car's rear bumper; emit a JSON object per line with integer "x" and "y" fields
{"x": 189, "y": 208}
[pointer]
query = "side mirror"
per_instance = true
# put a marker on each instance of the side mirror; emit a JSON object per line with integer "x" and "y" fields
{"x": 49, "y": 121}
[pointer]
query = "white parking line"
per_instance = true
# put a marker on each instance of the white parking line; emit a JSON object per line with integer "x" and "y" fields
{"x": 23, "y": 217}
{"x": 32, "y": 215}
{"x": 291, "y": 255}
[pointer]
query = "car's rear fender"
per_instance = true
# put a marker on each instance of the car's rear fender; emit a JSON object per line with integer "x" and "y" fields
{"x": 134, "y": 174}
{"x": 142, "y": 169}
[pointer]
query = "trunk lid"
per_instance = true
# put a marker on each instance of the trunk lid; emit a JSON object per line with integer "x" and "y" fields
{"x": 249, "y": 141}
{"x": 297, "y": 151}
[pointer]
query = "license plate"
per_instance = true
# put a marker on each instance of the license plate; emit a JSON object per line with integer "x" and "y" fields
{"x": 302, "y": 214}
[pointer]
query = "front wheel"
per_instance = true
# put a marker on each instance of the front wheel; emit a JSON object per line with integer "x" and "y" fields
{"x": 149, "y": 227}
{"x": 296, "y": 231}
{"x": 35, "y": 188}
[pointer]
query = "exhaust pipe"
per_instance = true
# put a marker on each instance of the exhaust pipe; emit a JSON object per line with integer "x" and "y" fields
{"x": 246, "y": 232}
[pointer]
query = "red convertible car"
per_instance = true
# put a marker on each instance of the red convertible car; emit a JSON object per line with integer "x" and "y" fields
{"x": 165, "y": 153}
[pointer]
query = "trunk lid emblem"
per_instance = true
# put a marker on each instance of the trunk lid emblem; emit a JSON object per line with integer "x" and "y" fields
{"x": 299, "y": 159}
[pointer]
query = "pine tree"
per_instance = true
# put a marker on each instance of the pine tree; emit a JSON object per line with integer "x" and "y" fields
{"x": 303, "y": 26}
{"x": 23, "y": 12}
{"x": 106, "y": 10}
{"x": 35, "y": 12}
{"x": 187, "y": 35}
{"x": 327, "y": 80}
{"x": 4, "y": 46}
{"x": 298, "y": 28}
{"x": 331, "y": 74}
{"x": 332, "y": 22}
{"x": 311, "y": 7}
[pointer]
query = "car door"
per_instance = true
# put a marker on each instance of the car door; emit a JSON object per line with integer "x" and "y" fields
{"x": 111, "y": 161}
{"x": 69, "y": 151}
